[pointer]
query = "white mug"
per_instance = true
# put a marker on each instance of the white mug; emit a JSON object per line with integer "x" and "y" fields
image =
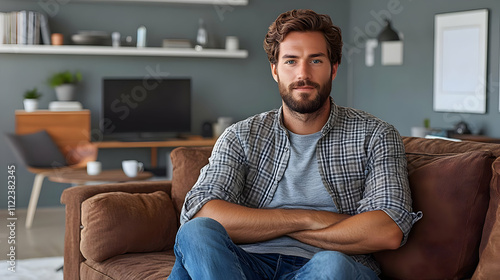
{"x": 132, "y": 167}
{"x": 94, "y": 167}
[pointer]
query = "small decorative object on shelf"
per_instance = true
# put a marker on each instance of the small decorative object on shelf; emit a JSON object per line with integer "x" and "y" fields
{"x": 422, "y": 131}
{"x": 96, "y": 38}
{"x": 462, "y": 128}
{"x": 128, "y": 42}
{"x": 427, "y": 123}
{"x": 31, "y": 100}
{"x": 115, "y": 37}
{"x": 202, "y": 36}
{"x": 64, "y": 84}
{"x": 141, "y": 36}
{"x": 57, "y": 39}
{"x": 232, "y": 43}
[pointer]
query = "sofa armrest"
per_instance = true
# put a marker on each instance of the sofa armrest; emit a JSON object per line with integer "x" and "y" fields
{"x": 73, "y": 199}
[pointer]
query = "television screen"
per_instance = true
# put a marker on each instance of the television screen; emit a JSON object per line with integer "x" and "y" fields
{"x": 145, "y": 108}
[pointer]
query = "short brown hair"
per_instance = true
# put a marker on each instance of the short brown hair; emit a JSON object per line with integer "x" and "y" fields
{"x": 303, "y": 20}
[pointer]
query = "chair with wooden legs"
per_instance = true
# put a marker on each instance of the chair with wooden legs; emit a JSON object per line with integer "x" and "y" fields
{"x": 81, "y": 155}
{"x": 69, "y": 131}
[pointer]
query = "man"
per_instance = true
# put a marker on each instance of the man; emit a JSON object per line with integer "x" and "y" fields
{"x": 304, "y": 192}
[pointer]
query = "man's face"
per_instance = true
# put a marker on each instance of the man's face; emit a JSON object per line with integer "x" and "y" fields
{"x": 303, "y": 71}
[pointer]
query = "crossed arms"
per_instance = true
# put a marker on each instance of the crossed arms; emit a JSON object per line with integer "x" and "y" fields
{"x": 358, "y": 234}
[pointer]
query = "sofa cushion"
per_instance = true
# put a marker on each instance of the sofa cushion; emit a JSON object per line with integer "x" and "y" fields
{"x": 489, "y": 252}
{"x": 116, "y": 223}
{"x": 452, "y": 191}
{"x": 187, "y": 163}
{"x": 143, "y": 266}
{"x": 489, "y": 262}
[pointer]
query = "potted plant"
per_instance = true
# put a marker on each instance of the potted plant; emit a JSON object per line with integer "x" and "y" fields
{"x": 31, "y": 100}
{"x": 64, "y": 84}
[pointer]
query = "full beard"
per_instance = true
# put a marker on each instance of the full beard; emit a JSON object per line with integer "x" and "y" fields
{"x": 302, "y": 104}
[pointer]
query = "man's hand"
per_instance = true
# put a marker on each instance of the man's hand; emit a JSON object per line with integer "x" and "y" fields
{"x": 250, "y": 225}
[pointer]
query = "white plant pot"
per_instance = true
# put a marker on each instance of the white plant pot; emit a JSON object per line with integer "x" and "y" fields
{"x": 66, "y": 92}
{"x": 30, "y": 105}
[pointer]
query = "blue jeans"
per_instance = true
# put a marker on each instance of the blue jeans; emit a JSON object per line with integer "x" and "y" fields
{"x": 204, "y": 250}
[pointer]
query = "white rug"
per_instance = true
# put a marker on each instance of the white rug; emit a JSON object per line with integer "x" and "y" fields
{"x": 36, "y": 269}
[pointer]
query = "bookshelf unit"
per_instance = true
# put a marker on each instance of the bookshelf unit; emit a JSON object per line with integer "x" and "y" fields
{"x": 207, "y": 2}
{"x": 196, "y": 2}
{"x": 130, "y": 51}
{"x": 119, "y": 51}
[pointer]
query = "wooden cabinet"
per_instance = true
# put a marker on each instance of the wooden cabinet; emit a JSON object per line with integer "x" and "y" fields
{"x": 68, "y": 129}
{"x": 72, "y": 128}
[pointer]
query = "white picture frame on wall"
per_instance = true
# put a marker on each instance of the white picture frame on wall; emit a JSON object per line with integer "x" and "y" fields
{"x": 460, "y": 59}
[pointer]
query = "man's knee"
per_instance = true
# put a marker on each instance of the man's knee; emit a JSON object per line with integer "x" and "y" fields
{"x": 330, "y": 259}
{"x": 330, "y": 263}
{"x": 199, "y": 229}
{"x": 200, "y": 224}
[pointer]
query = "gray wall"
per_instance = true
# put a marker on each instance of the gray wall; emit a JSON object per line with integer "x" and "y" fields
{"x": 221, "y": 87}
{"x": 402, "y": 95}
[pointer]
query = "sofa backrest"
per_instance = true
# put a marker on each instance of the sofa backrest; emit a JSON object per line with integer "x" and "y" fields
{"x": 186, "y": 164}
{"x": 187, "y": 161}
{"x": 439, "y": 146}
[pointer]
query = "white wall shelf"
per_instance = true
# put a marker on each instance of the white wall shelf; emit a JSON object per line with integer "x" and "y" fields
{"x": 120, "y": 51}
{"x": 208, "y": 2}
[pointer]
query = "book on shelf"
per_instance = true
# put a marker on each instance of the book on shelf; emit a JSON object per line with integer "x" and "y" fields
{"x": 65, "y": 106}
{"x": 24, "y": 28}
{"x": 176, "y": 43}
{"x": 33, "y": 37}
{"x": 44, "y": 29}
{"x": 3, "y": 37}
{"x": 13, "y": 28}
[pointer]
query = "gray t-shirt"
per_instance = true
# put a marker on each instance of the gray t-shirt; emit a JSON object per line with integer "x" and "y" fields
{"x": 300, "y": 188}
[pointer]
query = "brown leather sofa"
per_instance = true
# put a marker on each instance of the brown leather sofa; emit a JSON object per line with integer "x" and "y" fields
{"x": 127, "y": 230}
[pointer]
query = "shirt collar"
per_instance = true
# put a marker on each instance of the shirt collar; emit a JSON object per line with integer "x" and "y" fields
{"x": 326, "y": 128}
{"x": 331, "y": 119}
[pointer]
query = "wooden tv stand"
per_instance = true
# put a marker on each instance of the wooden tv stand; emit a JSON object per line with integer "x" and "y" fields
{"x": 191, "y": 141}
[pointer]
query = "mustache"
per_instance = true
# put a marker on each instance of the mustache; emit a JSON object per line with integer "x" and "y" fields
{"x": 301, "y": 83}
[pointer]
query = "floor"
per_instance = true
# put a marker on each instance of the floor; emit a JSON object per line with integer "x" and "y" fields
{"x": 44, "y": 239}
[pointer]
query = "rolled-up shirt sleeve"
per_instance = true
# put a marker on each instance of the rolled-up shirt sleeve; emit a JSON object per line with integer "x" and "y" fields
{"x": 386, "y": 185}
{"x": 222, "y": 178}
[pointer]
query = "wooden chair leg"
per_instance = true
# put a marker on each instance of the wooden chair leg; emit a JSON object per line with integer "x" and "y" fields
{"x": 35, "y": 193}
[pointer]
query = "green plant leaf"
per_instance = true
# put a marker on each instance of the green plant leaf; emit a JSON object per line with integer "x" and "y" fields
{"x": 32, "y": 94}
{"x": 65, "y": 77}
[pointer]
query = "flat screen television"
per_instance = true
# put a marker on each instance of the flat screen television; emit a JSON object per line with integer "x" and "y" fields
{"x": 140, "y": 109}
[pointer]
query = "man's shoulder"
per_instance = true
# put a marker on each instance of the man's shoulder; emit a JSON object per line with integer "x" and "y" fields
{"x": 263, "y": 120}
{"x": 252, "y": 133}
{"x": 348, "y": 114}
{"x": 362, "y": 123}
{"x": 355, "y": 114}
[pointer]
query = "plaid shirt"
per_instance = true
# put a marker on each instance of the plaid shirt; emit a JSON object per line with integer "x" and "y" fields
{"x": 361, "y": 158}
